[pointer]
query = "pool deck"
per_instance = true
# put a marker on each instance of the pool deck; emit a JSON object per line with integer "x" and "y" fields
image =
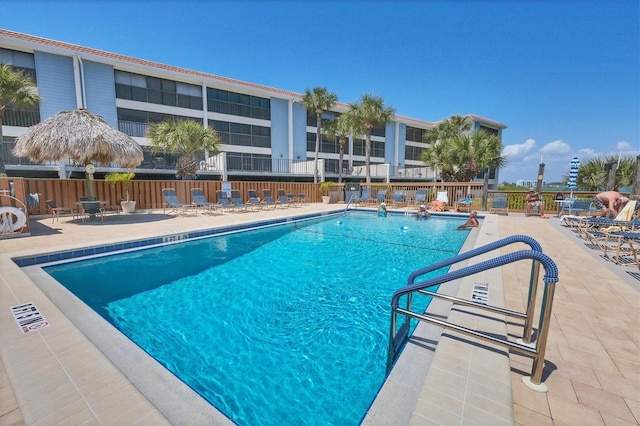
{"x": 57, "y": 375}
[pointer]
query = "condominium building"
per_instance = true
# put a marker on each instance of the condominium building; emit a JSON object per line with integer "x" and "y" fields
{"x": 266, "y": 132}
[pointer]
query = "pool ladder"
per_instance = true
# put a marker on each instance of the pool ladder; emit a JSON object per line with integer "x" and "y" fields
{"x": 399, "y": 336}
{"x": 346, "y": 209}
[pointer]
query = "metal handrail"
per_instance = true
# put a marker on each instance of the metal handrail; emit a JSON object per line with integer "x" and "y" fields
{"x": 397, "y": 338}
{"x": 349, "y": 202}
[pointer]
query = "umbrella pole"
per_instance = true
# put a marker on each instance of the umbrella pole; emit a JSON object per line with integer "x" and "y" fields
{"x": 90, "y": 186}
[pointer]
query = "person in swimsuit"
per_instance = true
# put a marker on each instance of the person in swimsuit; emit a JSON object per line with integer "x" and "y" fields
{"x": 610, "y": 202}
{"x": 382, "y": 210}
{"x": 472, "y": 222}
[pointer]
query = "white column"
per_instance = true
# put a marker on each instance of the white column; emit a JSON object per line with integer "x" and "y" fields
{"x": 290, "y": 128}
{"x": 397, "y": 147}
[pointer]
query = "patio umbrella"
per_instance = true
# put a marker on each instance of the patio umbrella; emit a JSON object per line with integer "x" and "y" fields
{"x": 573, "y": 175}
{"x": 81, "y": 136}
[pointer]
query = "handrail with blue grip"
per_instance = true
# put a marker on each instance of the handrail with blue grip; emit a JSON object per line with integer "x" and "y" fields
{"x": 397, "y": 338}
{"x": 475, "y": 252}
{"x": 551, "y": 271}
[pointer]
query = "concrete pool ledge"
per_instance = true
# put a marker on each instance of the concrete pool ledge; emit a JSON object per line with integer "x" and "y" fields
{"x": 447, "y": 378}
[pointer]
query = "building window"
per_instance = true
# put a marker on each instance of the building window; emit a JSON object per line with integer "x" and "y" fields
{"x": 377, "y": 148}
{"x": 136, "y": 87}
{"x": 414, "y": 134}
{"x": 413, "y": 153}
{"x": 489, "y": 130}
{"x": 225, "y": 102}
{"x": 239, "y": 161}
{"x": 327, "y": 144}
{"x": 242, "y": 134}
{"x": 24, "y": 63}
{"x": 136, "y": 123}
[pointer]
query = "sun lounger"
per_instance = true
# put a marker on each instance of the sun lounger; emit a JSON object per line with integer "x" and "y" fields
{"x": 223, "y": 201}
{"x": 238, "y": 203}
{"x": 200, "y": 201}
{"x": 174, "y": 205}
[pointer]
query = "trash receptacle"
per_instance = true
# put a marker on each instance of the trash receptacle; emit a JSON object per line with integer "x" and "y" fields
{"x": 351, "y": 191}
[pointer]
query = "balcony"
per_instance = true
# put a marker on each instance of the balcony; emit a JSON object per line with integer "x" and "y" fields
{"x": 21, "y": 117}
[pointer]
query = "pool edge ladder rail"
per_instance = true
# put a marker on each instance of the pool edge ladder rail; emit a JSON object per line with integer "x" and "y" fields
{"x": 398, "y": 337}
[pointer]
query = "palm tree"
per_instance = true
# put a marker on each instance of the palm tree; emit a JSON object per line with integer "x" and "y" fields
{"x": 449, "y": 128}
{"x": 367, "y": 114}
{"x": 188, "y": 138}
{"x": 16, "y": 89}
{"x": 341, "y": 128}
{"x": 460, "y": 155}
{"x": 592, "y": 175}
{"x": 318, "y": 100}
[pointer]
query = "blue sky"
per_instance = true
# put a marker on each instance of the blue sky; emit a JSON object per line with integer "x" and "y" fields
{"x": 564, "y": 76}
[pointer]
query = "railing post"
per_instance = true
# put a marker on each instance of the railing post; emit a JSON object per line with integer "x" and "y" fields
{"x": 531, "y": 302}
{"x": 535, "y": 380}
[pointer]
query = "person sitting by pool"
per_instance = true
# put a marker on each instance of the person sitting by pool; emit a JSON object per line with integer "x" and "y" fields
{"x": 382, "y": 210}
{"x": 472, "y": 222}
{"x": 422, "y": 213}
{"x": 533, "y": 199}
{"x": 437, "y": 206}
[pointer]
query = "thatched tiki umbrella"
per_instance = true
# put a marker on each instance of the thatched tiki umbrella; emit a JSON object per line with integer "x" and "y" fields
{"x": 81, "y": 136}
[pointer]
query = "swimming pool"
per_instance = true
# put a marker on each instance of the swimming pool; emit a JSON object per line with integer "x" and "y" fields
{"x": 282, "y": 324}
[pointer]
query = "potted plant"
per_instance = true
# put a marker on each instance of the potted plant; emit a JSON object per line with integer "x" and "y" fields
{"x": 325, "y": 189}
{"x": 127, "y": 205}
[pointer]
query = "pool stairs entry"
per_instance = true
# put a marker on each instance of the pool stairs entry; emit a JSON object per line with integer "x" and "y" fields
{"x": 346, "y": 209}
{"x": 526, "y": 345}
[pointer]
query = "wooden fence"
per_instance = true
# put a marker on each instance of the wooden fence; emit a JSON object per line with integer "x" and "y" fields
{"x": 148, "y": 193}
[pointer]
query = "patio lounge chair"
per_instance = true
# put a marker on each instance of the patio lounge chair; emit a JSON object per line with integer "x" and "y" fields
{"x": 398, "y": 199}
{"x": 57, "y": 211}
{"x": 255, "y": 202}
{"x": 91, "y": 208}
{"x": 174, "y": 205}
{"x": 381, "y": 195}
{"x": 421, "y": 196}
{"x": 365, "y": 197}
{"x": 441, "y": 202}
{"x": 239, "y": 204}
{"x": 199, "y": 200}
{"x": 283, "y": 199}
{"x": 302, "y": 198}
{"x": 223, "y": 201}
{"x": 499, "y": 204}
{"x": 464, "y": 204}
{"x": 620, "y": 247}
{"x": 268, "y": 199}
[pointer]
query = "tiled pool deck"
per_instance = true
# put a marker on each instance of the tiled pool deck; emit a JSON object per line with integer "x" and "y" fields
{"x": 57, "y": 375}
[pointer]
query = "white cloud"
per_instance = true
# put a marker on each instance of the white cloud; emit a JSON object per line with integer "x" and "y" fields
{"x": 624, "y": 146}
{"x": 555, "y": 148}
{"x": 518, "y": 150}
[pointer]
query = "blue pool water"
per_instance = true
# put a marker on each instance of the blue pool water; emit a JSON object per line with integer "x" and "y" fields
{"x": 281, "y": 325}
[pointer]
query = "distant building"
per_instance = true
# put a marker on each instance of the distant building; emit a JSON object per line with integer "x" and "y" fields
{"x": 530, "y": 183}
{"x": 266, "y": 132}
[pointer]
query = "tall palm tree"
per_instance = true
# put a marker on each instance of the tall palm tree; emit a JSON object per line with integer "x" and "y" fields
{"x": 449, "y": 128}
{"x": 463, "y": 156}
{"x": 188, "y": 138}
{"x": 318, "y": 100}
{"x": 341, "y": 128}
{"x": 16, "y": 89}
{"x": 367, "y": 114}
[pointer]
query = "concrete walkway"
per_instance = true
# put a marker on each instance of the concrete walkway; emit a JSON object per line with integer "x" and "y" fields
{"x": 592, "y": 366}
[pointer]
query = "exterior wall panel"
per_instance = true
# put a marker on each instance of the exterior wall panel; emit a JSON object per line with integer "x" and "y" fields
{"x": 279, "y": 128}
{"x": 56, "y": 83}
{"x": 100, "y": 88}
{"x": 299, "y": 131}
